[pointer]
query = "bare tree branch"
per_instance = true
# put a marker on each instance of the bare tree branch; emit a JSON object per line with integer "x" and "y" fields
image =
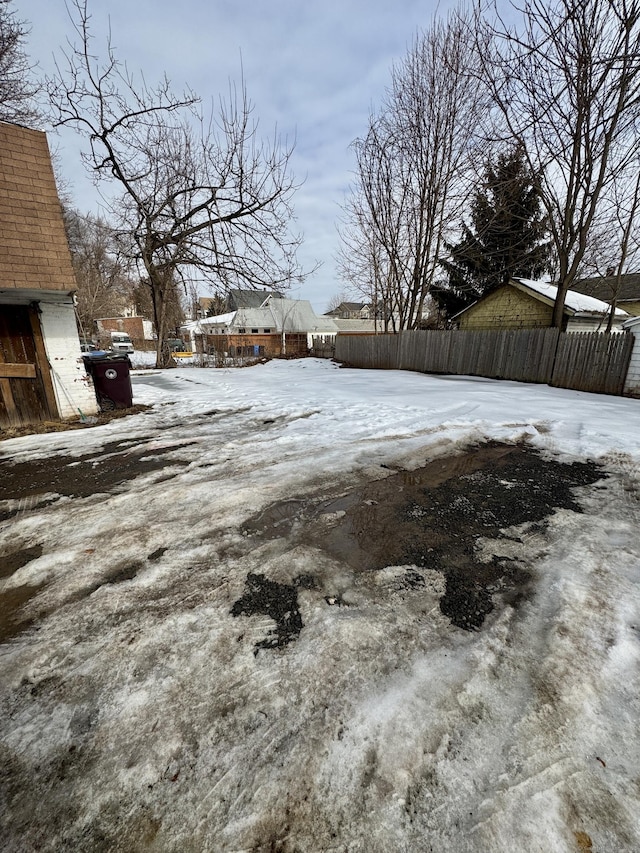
{"x": 17, "y": 86}
{"x": 566, "y": 85}
{"x": 412, "y": 171}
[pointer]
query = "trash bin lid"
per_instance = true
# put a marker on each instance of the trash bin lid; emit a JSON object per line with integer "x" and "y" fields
{"x": 97, "y": 353}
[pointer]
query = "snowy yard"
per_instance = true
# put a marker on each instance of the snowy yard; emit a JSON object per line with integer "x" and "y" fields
{"x": 204, "y": 647}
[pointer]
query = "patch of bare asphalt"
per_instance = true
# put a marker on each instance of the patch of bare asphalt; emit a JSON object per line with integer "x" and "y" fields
{"x": 14, "y": 618}
{"x": 82, "y": 476}
{"x": 431, "y": 518}
{"x": 276, "y": 600}
{"x": 12, "y": 601}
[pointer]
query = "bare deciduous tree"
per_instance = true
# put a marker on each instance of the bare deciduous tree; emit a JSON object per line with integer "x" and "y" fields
{"x": 174, "y": 308}
{"x": 566, "y": 83}
{"x": 103, "y": 288}
{"x": 190, "y": 194}
{"x": 410, "y": 173}
{"x": 614, "y": 245}
{"x": 17, "y": 87}
{"x": 628, "y": 232}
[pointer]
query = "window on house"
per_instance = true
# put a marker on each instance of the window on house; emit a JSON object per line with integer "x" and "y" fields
{"x": 254, "y": 331}
{"x": 267, "y": 331}
{"x": 241, "y": 331}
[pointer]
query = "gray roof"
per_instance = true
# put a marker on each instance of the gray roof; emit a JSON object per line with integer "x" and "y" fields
{"x": 277, "y": 314}
{"x": 249, "y": 298}
{"x": 345, "y": 307}
{"x": 604, "y": 287}
{"x": 297, "y": 315}
{"x": 365, "y": 326}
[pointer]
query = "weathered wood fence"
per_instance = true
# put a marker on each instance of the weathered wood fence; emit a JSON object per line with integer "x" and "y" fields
{"x": 323, "y": 346}
{"x": 593, "y": 362}
{"x": 585, "y": 361}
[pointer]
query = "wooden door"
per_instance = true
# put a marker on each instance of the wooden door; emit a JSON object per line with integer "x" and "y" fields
{"x": 26, "y": 392}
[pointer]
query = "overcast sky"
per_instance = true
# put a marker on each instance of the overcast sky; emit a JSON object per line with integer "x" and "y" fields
{"x": 314, "y": 68}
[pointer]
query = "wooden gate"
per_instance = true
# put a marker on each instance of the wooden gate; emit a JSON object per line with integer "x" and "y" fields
{"x": 26, "y": 392}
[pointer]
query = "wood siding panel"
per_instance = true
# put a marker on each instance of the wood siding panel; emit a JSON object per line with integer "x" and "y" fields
{"x": 24, "y": 400}
{"x": 17, "y": 371}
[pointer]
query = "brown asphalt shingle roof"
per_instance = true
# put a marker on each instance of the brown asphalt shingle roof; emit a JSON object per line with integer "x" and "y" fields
{"x": 34, "y": 252}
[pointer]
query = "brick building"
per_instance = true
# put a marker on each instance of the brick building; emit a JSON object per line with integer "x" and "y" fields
{"x": 139, "y": 329}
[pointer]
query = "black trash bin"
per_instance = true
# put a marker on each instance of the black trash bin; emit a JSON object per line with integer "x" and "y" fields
{"x": 111, "y": 380}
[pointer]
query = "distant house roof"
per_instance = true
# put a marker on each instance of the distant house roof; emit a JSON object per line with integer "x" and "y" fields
{"x": 604, "y": 287}
{"x": 346, "y": 308}
{"x": 277, "y": 313}
{"x": 217, "y": 320}
{"x": 249, "y": 298}
{"x": 34, "y": 253}
{"x": 297, "y": 315}
{"x": 364, "y": 326}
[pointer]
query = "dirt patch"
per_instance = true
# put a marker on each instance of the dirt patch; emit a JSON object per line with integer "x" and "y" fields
{"x": 12, "y": 618}
{"x": 10, "y": 563}
{"x": 42, "y": 482}
{"x": 69, "y": 423}
{"x": 13, "y": 600}
{"x": 583, "y": 841}
{"x": 433, "y": 517}
{"x": 82, "y": 476}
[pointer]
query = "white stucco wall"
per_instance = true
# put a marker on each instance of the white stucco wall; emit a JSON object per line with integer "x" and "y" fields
{"x": 73, "y": 388}
{"x": 632, "y": 383}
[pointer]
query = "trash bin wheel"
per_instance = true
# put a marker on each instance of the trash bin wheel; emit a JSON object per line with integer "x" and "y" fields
{"x": 106, "y": 404}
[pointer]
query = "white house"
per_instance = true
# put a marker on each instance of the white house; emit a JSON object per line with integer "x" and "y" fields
{"x": 278, "y": 327}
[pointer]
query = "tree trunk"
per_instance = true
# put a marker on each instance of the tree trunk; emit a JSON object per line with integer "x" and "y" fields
{"x": 158, "y": 284}
{"x": 558, "y": 308}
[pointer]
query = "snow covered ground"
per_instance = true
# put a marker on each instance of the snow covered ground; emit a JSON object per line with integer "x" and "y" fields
{"x": 138, "y": 712}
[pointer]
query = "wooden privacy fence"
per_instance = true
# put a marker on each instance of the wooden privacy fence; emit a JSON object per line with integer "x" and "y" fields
{"x": 584, "y": 361}
{"x": 593, "y": 362}
{"x": 323, "y": 346}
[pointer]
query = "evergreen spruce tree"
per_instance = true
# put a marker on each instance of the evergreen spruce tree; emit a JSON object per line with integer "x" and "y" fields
{"x": 505, "y": 238}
